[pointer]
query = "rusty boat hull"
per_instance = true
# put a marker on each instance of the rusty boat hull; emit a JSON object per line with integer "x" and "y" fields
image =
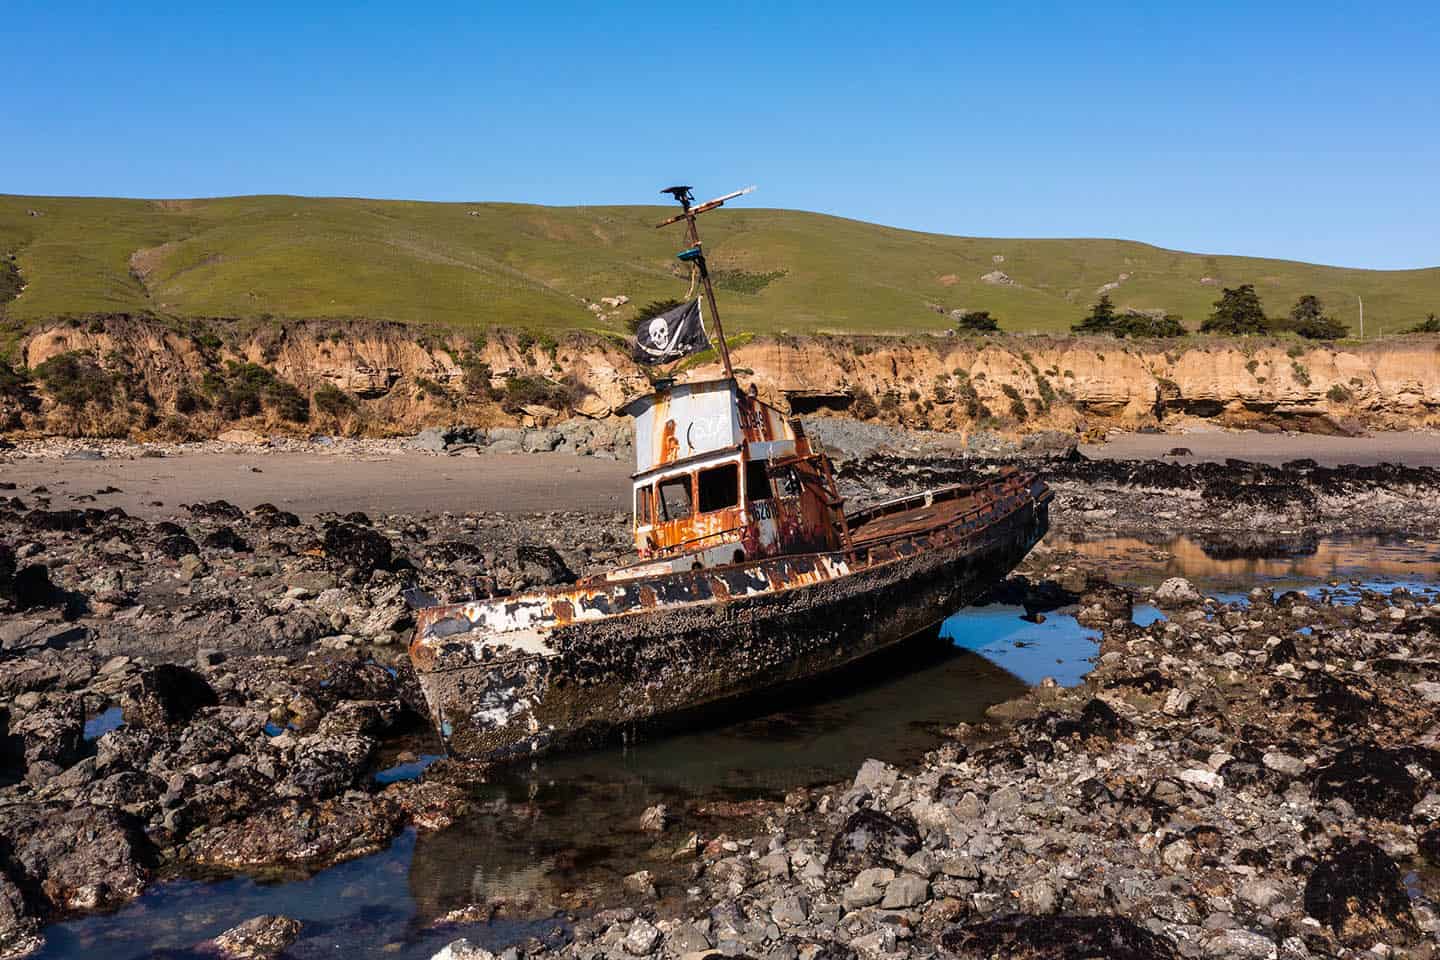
{"x": 516, "y": 676}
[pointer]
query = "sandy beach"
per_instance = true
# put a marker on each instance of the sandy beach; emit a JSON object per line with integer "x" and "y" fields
{"x": 396, "y": 480}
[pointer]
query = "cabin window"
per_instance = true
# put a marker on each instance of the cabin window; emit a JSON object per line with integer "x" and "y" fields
{"x": 643, "y": 514}
{"x": 675, "y": 498}
{"x": 719, "y": 487}
{"x": 757, "y": 481}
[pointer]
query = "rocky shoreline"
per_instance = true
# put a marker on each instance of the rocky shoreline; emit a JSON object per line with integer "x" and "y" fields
{"x": 1245, "y": 779}
{"x": 253, "y": 660}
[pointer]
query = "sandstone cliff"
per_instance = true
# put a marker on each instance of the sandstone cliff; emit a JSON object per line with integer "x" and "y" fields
{"x": 394, "y": 379}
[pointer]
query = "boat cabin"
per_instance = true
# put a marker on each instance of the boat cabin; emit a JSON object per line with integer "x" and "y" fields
{"x": 722, "y": 478}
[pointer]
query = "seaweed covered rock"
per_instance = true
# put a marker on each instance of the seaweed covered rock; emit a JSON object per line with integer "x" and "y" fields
{"x": 1023, "y": 937}
{"x": 870, "y": 838}
{"x": 1357, "y": 892}
{"x": 357, "y": 547}
{"x": 1375, "y": 781}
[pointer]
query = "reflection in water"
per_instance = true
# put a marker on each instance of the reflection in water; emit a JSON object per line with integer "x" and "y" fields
{"x": 1335, "y": 558}
{"x": 564, "y": 831}
{"x": 1059, "y": 648}
{"x": 365, "y": 904}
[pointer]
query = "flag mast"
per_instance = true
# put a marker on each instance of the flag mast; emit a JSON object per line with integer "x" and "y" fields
{"x": 695, "y": 254}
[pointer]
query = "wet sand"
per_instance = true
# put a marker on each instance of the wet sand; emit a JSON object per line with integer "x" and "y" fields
{"x": 311, "y": 483}
{"x": 1416, "y": 449}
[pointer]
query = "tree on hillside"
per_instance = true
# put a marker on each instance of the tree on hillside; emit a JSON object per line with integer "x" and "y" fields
{"x": 1308, "y": 319}
{"x": 650, "y": 311}
{"x": 1431, "y": 324}
{"x": 1101, "y": 319}
{"x": 1238, "y": 311}
{"x": 1133, "y": 323}
{"x": 978, "y": 321}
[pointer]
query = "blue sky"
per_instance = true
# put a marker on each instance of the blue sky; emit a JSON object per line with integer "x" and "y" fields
{"x": 1307, "y": 131}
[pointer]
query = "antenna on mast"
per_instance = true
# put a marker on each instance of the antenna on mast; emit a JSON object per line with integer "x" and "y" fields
{"x": 696, "y": 255}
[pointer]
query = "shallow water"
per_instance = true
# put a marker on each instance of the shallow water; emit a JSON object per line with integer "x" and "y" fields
{"x": 562, "y": 832}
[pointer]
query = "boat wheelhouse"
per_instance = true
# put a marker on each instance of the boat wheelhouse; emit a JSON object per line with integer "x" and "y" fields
{"x": 723, "y": 477}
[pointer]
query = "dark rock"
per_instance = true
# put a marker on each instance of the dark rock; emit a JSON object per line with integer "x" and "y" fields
{"x": 870, "y": 838}
{"x": 85, "y": 858}
{"x": 350, "y": 545}
{"x": 165, "y": 696}
{"x": 31, "y": 588}
{"x": 1430, "y": 846}
{"x": 215, "y": 510}
{"x": 225, "y": 538}
{"x": 257, "y": 938}
{"x": 1373, "y": 780}
{"x": 541, "y": 565}
{"x": 1096, "y": 719}
{"x": 53, "y": 732}
{"x": 178, "y": 546}
{"x": 19, "y": 928}
{"x": 63, "y": 521}
{"x": 326, "y": 765}
{"x": 1358, "y": 893}
{"x": 1103, "y": 602}
{"x": 1021, "y": 937}
{"x": 127, "y": 748}
{"x": 302, "y": 835}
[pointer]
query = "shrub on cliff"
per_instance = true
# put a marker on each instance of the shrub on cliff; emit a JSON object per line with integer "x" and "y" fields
{"x": 75, "y": 379}
{"x": 477, "y": 377}
{"x": 245, "y": 389}
{"x": 863, "y": 404}
{"x": 524, "y": 391}
{"x": 332, "y": 401}
{"x": 1237, "y": 312}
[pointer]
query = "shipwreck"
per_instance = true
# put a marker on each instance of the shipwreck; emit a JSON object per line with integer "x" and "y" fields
{"x": 751, "y": 572}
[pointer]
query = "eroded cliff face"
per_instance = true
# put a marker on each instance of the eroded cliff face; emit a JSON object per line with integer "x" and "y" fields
{"x": 399, "y": 380}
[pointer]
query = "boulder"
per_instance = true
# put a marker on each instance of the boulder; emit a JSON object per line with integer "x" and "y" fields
{"x": 1176, "y": 591}
{"x": 53, "y": 732}
{"x": 166, "y": 696}
{"x": 257, "y": 938}
{"x": 85, "y": 858}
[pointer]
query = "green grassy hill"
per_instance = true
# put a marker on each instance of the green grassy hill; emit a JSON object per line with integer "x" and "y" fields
{"x": 488, "y": 264}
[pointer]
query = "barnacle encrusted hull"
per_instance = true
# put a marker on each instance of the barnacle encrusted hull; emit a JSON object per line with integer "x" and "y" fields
{"x": 525, "y": 674}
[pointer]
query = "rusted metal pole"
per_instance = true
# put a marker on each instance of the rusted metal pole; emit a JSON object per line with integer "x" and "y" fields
{"x": 693, "y": 236}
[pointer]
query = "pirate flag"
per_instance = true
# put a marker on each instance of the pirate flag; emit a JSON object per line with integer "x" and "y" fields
{"x": 674, "y": 334}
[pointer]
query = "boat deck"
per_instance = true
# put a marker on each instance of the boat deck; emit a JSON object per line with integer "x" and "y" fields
{"x": 887, "y": 526}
